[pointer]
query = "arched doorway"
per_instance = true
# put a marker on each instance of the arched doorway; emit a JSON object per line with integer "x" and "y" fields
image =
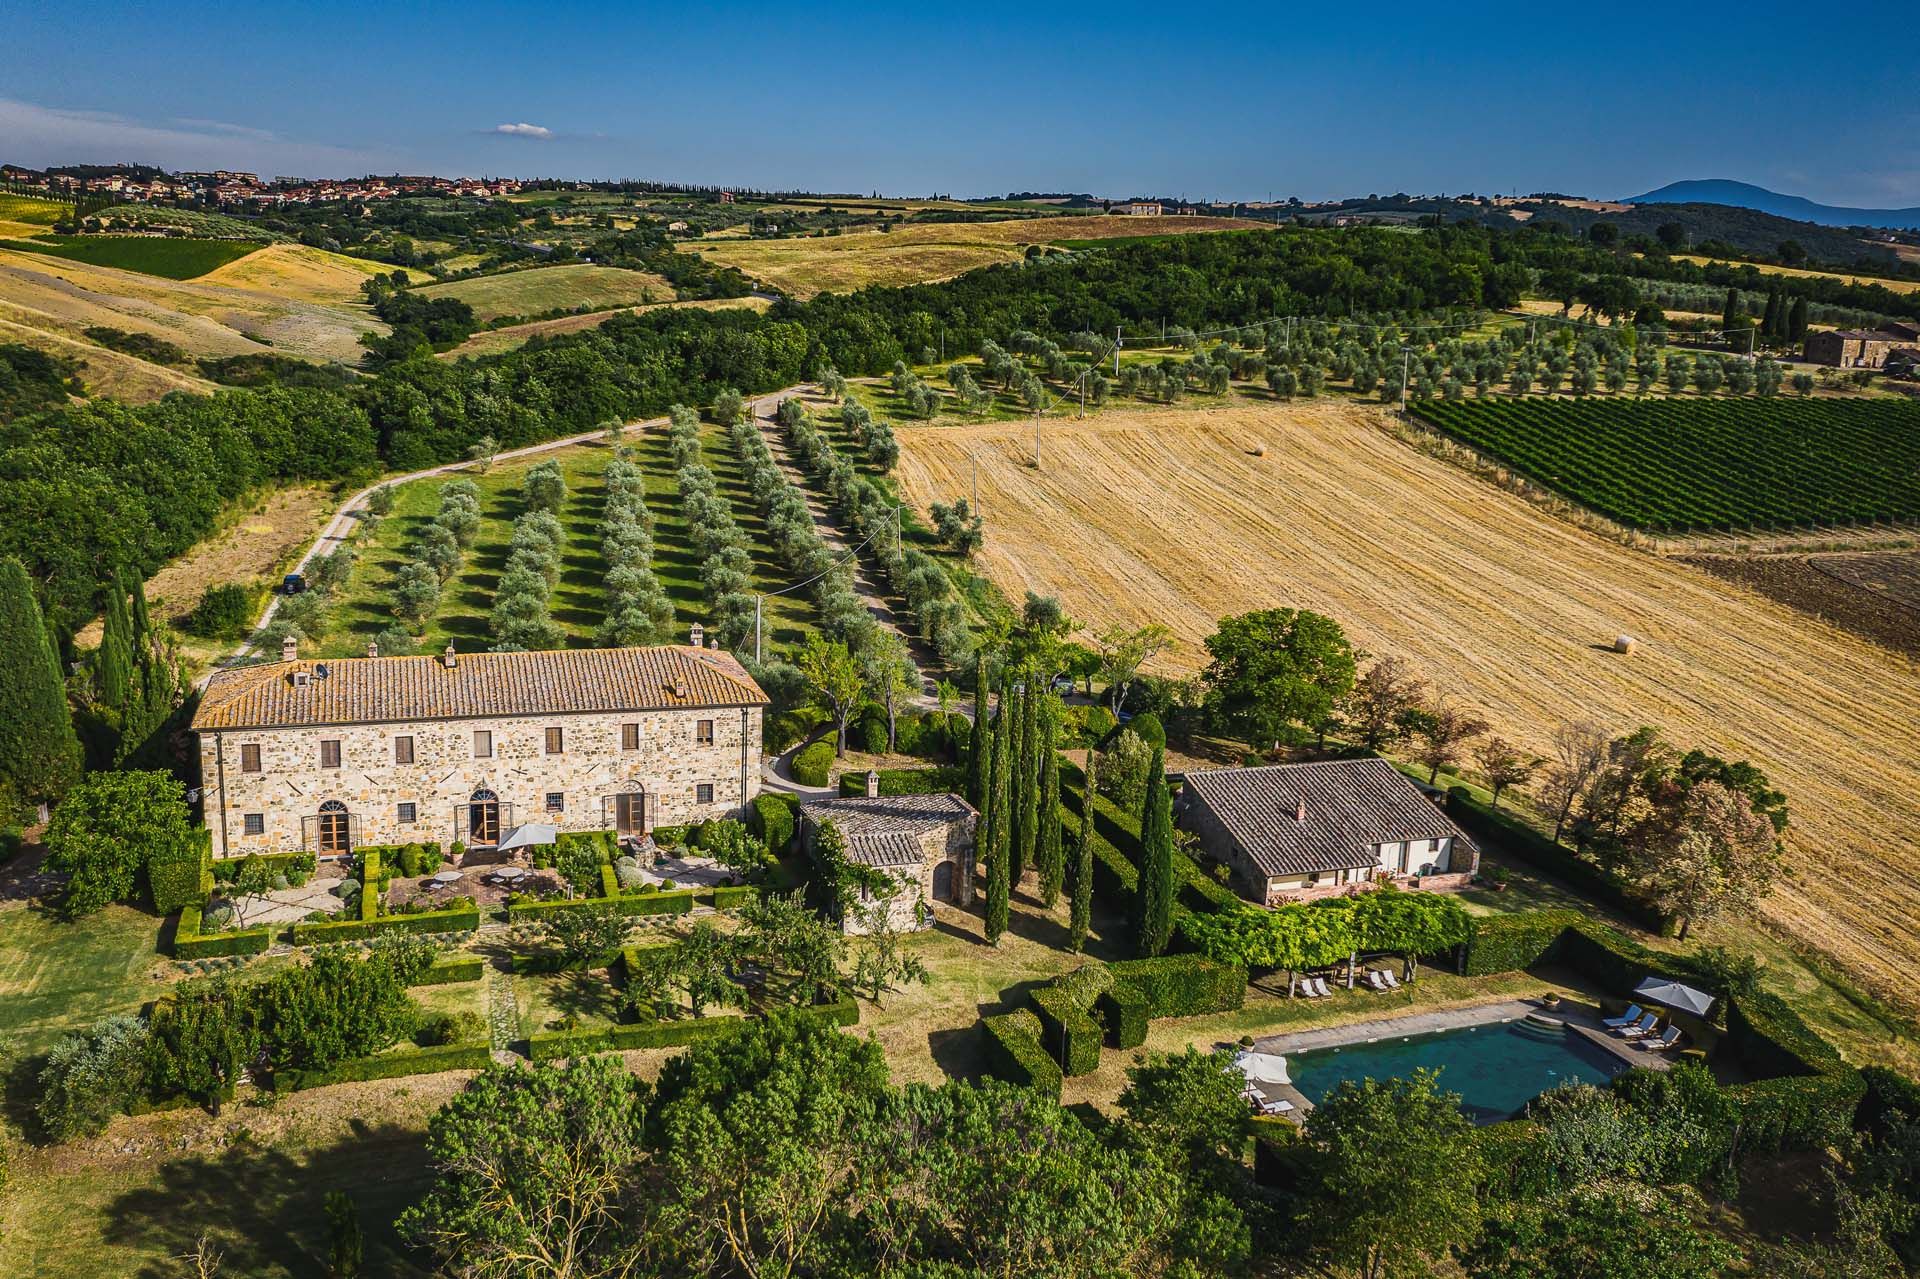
{"x": 630, "y": 813}
{"x": 333, "y": 828}
{"x": 943, "y": 882}
{"x": 483, "y": 817}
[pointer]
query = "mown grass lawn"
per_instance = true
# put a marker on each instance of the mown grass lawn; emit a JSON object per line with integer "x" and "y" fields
{"x": 56, "y": 976}
{"x": 164, "y": 256}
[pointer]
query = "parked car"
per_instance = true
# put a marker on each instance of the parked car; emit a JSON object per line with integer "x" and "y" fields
{"x": 1063, "y": 684}
{"x": 293, "y": 584}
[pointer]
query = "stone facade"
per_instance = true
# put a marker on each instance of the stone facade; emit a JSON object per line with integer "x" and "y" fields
{"x": 668, "y": 765}
{"x": 925, "y": 882}
{"x": 924, "y": 843}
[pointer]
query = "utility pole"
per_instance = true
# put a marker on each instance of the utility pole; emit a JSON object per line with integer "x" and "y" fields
{"x": 756, "y": 628}
{"x": 1116, "y": 350}
{"x": 1036, "y": 439}
{"x": 1406, "y": 358}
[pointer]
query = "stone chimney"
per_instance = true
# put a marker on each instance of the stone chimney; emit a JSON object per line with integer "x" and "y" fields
{"x": 373, "y": 648}
{"x": 1300, "y": 811}
{"x": 714, "y": 644}
{"x": 290, "y": 648}
{"x": 697, "y": 637}
{"x": 447, "y": 659}
{"x": 873, "y": 784}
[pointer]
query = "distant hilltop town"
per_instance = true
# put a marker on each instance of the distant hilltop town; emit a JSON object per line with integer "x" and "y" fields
{"x": 230, "y": 186}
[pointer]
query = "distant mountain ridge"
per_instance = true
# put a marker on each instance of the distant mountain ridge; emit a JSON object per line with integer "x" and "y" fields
{"x": 1744, "y": 195}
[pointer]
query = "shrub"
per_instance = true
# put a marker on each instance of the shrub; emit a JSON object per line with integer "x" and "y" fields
{"x": 1508, "y": 943}
{"x": 1123, "y": 770}
{"x": 871, "y": 730}
{"x": 1067, "y": 1032}
{"x": 813, "y": 764}
{"x": 1148, "y": 729}
{"x": 448, "y": 969}
{"x": 181, "y": 876}
{"x": 437, "y": 1029}
{"x": 1124, "y": 1010}
{"x": 735, "y": 896}
{"x": 388, "y": 1065}
{"x": 1183, "y": 985}
{"x": 907, "y": 781}
{"x": 628, "y": 875}
{"x": 773, "y": 820}
{"x": 461, "y": 915}
{"x": 1100, "y": 723}
{"x": 223, "y": 612}
{"x": 189, "y": 943}
{"x": 1014, "y": 1054}
{"x": 90, "y": 1076}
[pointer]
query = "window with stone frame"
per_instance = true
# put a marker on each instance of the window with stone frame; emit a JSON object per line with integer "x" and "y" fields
{"x": 250, "y": 758}
{"x": 629, "y": 737}
{"x": 482, "y": 744}
{"x": 703, "y": 732}
{"x": 406, "y": 813}
{"x": 330, "y": 752}
{"x": 556, "y": 741}
{"x": 403, "y": 750}
{"x": 253, "y": 824}
{"x": 556, "y": 801}
{"x": 703, "y": 793}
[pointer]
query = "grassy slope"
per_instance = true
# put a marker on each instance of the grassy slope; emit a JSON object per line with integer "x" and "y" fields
{"x": 55, "y": 976}
{"x": 538, "y": 290}
{"x": 513, "y": 336}
{"x": 172, "y": 259}
{"x": 297, "y": 271}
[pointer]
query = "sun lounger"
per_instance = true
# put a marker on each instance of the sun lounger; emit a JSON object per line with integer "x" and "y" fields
{"x": 1276, "y": 1107}
{"x": 1389, "y": 980}
{"x": 1642, "y": 1027}
{"x": 1376, "y": 980}
{"x": 1320, "y": 987}
{"x": 1626, "y": 1018}
{"x": 1668, "y": 1038}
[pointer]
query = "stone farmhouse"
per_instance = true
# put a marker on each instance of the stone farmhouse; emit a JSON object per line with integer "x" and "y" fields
{"x": 924, "y": 842}
{"x": 1860, "y": 348}
{"x": 1294, "y": 832}
{"x": 326, "y": 756}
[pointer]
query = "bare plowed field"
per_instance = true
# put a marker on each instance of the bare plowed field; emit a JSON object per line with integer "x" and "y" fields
{"x": 1169, "y": 516}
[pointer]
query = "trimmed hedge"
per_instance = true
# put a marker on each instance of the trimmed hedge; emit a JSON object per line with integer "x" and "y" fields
{"x": 1014, "y": 1052}
{"x": 183, "y": 878}
{"x": 1513, "y": 837}
{"x": 1889, "y": 1095}
{"x": 774, "y": 816}
{"x": 449, "y": 969}
{"x": 1067, "y": 1032}
{"x": 937, "y": 780}
{"x": 1124, "y": 1010}
{"x": 679, "y": 901}
{"x": 734, "y": 896}
{"x": 370, "y": 885}
{"x": 463, "y": 918}
{"x": 190, "y": 943}
{"x": 1116, "y": 853}
{"x": 227, "y": 869}
{"x": 1183, "y": 985}
{"x": 389, "y": 1065}
{"x": 547, "y": 961}
{"x": 812, "y": 764}
{"x": 555, "y": 1044}
{"x": 1508, "y": 943}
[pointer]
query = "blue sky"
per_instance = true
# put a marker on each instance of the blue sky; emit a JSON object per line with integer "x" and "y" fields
{"x": 1225, "y": 100}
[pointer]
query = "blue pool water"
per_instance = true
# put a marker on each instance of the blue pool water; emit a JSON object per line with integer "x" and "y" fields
{"x": 1496, "y": 1069}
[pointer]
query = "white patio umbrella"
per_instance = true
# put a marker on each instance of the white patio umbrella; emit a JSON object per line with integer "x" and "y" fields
{"x": 529, "y": 835}
{"x": 1262, "y": 1068}
{"x": 1673, "y": 994}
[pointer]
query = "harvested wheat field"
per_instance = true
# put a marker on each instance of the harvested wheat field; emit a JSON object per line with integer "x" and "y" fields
{"x": 925, "y": 252}
{"x": 304, "y": 273}
{"x": 1169, "y": 516}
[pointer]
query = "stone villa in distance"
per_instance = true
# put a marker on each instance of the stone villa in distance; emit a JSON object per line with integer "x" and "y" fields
{"x": 326, "y": 756}
{"x": 1295, "y": 832}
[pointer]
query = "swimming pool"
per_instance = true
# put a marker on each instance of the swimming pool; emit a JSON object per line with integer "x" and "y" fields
{"x": 1496, "y": 1068}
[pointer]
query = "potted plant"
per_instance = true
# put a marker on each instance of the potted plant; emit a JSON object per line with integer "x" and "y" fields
{"x": 1551, "y": 999}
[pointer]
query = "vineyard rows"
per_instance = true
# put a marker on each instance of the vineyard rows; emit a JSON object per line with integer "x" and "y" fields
{"x": 1683, "y": 465}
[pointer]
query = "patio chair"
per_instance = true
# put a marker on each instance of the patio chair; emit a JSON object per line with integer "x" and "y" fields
{"x": 1626, "y": 1018}
{"x": 1376, "y": 981}
{"x": 1642, "y": 1027}
{"x": 1320, "y": 987}
{"x": 1669, "y": 1038}
{"x": 1389, "y": 980}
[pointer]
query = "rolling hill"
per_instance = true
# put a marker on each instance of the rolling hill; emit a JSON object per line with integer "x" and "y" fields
{"x": 1744, "y": 195}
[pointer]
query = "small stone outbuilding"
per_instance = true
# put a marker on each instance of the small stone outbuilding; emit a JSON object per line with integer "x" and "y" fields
{"x": 923, "y": 841}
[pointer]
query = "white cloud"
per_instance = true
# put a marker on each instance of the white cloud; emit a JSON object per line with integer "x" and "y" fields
{"x": 522, "y": 130}
{"x": 37, "y": 135}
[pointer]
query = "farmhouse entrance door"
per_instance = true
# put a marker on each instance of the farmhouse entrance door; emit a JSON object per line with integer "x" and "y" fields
{"x": 630, "y": 814}
{"x": 332, "y": 830}
{"x": 943, "y": 882}
{"x": 483, "y": 818}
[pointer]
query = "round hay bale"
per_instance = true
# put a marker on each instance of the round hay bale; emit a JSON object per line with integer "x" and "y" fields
{"x": 1625, "y": 644}
{"x": 1258, "y": 450}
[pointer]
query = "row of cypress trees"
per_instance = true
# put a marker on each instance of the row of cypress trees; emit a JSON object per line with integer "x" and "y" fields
{"x": 39, "y": 750}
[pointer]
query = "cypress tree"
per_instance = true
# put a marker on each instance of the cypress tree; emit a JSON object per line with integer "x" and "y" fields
{"x": 113, "y": 660}
{"x": 978, "y": 767}
{"x": 1013, "y": 706}
{"x": 1797, "y": 319}
{"x": 1048, "y": 853}
{"x": 1770, "y": 322}
{"x": 998, "y": 837}
{"x": 1080, "y": 913}
{"x": 39, "y": 751}
{"x": 1153, "y": 898}
{"x": 1026, "y": 851}
{"x": 1731, "y": 311}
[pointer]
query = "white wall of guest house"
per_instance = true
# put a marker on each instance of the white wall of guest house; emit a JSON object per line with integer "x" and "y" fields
{"x": 1405, "y": 858}
{"x": 668, "y": 765}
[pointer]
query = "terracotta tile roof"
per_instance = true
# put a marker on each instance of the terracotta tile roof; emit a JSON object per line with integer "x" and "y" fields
{"x": 885, "y": 830}
{"x": 1351, "y": 805}
{"x": 375, "y": 690}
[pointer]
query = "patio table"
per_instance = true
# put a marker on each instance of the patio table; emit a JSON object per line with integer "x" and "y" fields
{"x": 448, "y": 878}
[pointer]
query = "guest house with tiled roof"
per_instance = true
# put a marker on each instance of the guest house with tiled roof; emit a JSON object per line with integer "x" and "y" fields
{"x": 1292, "y": 832}
{"x": 324, "y": 756}
{"x": 923, "y": 843}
